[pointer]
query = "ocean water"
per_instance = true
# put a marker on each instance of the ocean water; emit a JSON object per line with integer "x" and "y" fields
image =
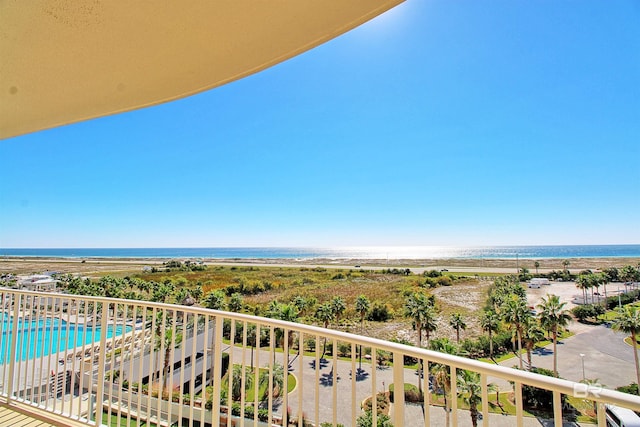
{"x": 364, "y": 252}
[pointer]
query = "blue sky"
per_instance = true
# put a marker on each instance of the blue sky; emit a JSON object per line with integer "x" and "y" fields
{"x": 438, "y": 123}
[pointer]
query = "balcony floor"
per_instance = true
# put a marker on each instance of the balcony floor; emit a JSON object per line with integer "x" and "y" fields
{"x": 11, "y": 417}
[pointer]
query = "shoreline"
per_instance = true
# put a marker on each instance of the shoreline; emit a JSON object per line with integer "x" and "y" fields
{"x": 22, "y": 264}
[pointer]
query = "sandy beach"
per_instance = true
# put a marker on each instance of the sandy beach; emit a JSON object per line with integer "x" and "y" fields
{"x": 26, "y": 265}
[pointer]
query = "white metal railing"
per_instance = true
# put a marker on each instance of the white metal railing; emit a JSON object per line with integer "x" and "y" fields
{"x": 91, "y": 358}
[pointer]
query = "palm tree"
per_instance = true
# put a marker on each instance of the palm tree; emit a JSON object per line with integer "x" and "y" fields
{"x": 471, "y": 391}
{"x": 566, "y": 264}
{"x": 169, "y": 344}
{"x": 235, "y": 302}
{"x": 214, "y": 300}
{"x": 325, "y": 314}
{"x": 628, "y": 321}
{"x": 338, "y": 306}
{"x": 277, "y": 380}
{"x": 430, "y": 323}
{"x": 237, "y": 386}
{"x": 442, "y": 374}
{"x": 583, "y": 283}
{"x": 514, "y": 312}
{"x": 362, "y": 307}
{"x": 536, "y": 265}
{"x": 288, "y": 313}
{"x": 457, "y": 322}
{"x": 531, "y": 334}
{"x": 553, "y": 316}
{"x": 301, "y": 303}
{"x": 416, "y": 307}
{"x": 490, "y": 322}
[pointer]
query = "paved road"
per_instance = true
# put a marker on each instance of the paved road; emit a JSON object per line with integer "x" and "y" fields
{"x": 363, "y": 383}
{"x": 606, "y": 357}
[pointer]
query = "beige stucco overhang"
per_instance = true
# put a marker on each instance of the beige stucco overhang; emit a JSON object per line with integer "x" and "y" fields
{"x": 64, "y": 61}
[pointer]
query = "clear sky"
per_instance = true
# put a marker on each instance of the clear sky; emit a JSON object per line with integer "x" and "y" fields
{"x": 439, "y": 123}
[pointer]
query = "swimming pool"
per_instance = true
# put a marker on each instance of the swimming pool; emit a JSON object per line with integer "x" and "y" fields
{"x": 42, "y": 337}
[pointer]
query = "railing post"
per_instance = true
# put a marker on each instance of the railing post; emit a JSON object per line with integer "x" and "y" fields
{"x": 602, "y": 416}
{"x": 398, "y": 389}
{"x": 557, "y": 408}
{"x": 14, "y": 345}
{"x": 101, "y": 363}
{"x": 217, "y": 369}
{"x": 517, "y": 389}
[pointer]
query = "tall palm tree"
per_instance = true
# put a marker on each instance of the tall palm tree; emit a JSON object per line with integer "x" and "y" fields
{"x": 362, "y": 306}
{"x": 238, "y": 386}
{"x": 169, "y": 344}
{"x": 338, "y": 306}
{"x": 536, "y": 264}
{"x": 583, "y": 283}
{"x": 277, "y": 380}
{"x": 531, "y": 334}
{"x": 457, "y": 322}
{"x": 325, "y": 314}
{"x": 430, "y": 322}
{"x": 471, "y": 391}
{"x": 490, "y": 322}
{"x": 514, "y": 312}
{"x": 416, "y": 307}
{"x": 628, "y": 321}
{"x": 442, "y": 374}
{"x": 552, "y": 317}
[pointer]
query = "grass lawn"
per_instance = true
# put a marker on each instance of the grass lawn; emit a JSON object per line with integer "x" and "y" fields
{"x": 115, "y": 421}
{"x": 249, "y": 397}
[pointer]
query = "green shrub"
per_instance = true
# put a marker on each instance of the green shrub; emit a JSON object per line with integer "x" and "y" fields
{"x": 379, "y": 312}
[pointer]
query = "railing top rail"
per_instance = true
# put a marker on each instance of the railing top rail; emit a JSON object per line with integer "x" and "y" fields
{"x": 509, "y": 374}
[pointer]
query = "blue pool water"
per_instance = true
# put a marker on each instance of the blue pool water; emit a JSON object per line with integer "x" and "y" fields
{"x": 48, "y": 336}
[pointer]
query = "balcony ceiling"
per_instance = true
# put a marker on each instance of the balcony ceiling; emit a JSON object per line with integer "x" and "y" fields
{"x": 66, "y": 61}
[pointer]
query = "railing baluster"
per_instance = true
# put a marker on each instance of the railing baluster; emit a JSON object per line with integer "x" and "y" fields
{"x": 194, "y": 353}
{"x": 354, "y": 375}
{"x": 398, "y": 388}
{"x": 183, "y": 365}
{"x": 4, "y": 345}
{"x": 517, "y": 388}
{"x": 270, "y": 365}
{"x": 53, "y": 355}
{"x": 217, "y": 368}
{"x": 256, "y": 374}
{"x": 232, "y": 336}
{"x": 170, "y": 368}
{"x": 426, "y": 402}
{"x": 134, "y": 353}
{"x": 374, "y": 385}
{"x": 317, "y": 393}
{"x": 454, "y": 395}
{"x": 36, "y": 340}
{"x": 243, "y": 392}
{"x": 285, "y": 367}
{"x": 557, "y": 408}
{"x": 300, "y": 381}
{"x": 93, "y": 396}
{"x": 334, "y": 381}
{"x": 123, "y": 355}
{"x": 602, "y": 416}
{"x": 205, "y": 365}
{"x": 101, "y": 362}
{"x": 484, "y": 387}
{"x": 153, "y": 365}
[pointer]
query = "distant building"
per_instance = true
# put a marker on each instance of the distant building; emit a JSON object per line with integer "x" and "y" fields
{"x": 37, "y": 282}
